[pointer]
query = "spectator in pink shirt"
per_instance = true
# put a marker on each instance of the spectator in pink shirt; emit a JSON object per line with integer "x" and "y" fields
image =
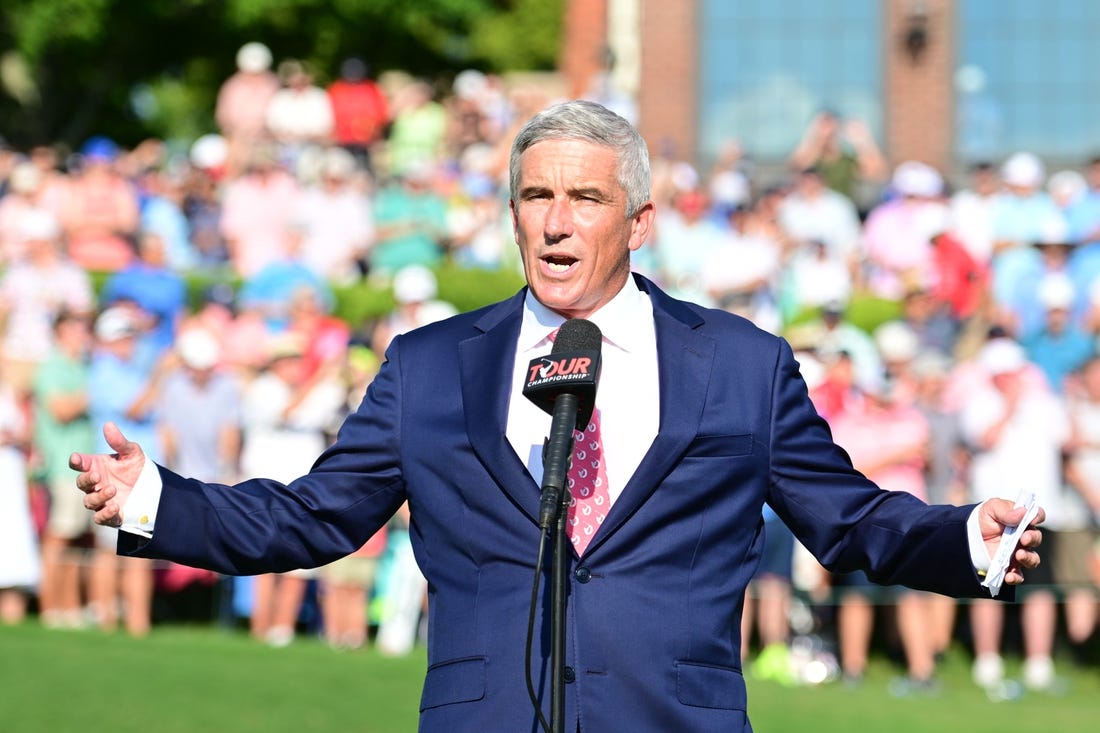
{"x": 101, "y": 210}
{"x": 896, "y": 238}
{"x": 241, "y": 107}
{"x": 257, "y": 213}
{"x": 33, "y": 290}
{"x": 887, "y": 437}
{"x": 22, "y": 196}
{"x": 53, "y": 183}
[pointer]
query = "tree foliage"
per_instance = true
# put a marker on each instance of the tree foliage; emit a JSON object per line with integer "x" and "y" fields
{"x": 134, "y": 68}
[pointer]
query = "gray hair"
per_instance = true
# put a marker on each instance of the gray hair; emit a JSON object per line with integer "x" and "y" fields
{"x": 583, "y": 120}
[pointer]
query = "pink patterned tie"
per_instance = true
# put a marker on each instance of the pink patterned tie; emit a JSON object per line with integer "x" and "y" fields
{"x": 587, "y": 477}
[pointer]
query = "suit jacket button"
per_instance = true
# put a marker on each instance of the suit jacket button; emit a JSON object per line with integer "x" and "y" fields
{"x": 570, "y": 675}
{"x": 582, "y": 574}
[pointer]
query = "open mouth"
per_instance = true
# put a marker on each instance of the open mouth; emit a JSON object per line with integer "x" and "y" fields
{"x": 559, "y": 263}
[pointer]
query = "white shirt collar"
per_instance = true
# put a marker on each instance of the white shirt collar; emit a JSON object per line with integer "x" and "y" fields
{"x": 617, "y": 320}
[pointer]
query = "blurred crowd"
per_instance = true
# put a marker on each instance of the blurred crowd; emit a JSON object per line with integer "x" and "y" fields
{"x": 947, "y": 331}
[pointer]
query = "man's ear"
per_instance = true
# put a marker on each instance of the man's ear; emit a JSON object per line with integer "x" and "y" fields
{"x": 642, "y": 225}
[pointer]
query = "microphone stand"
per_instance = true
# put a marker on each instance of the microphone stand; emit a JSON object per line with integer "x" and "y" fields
{"x": 552, "y": 514}
{"x": 559, "y": 574}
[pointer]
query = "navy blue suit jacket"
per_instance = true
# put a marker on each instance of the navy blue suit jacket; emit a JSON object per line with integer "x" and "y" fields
{"x": 655, "y": 601}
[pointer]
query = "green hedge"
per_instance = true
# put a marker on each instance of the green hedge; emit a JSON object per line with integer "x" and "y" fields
{"x": 468, "y": 289}
{"x": 367, "y": 299}
{"x": 866, "y": 311}
{"x": 465, "y": 289}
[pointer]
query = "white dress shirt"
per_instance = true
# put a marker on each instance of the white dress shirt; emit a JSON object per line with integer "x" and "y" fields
{"x": 626, "y": 394}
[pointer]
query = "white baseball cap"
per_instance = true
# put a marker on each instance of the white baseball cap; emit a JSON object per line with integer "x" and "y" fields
{"x": 913, "y": 178}
{"x": 1056, "y": 291}
{"x": 38, "y": 225}
{"x": 414, "y": 284}
{"x": 896, "y": 341}
{"x": 115, "y": 324}
{"x": 198, "y": 348}
{"x": 254, "y": 57}
{"x": 1002, "y": 356}
{"x": 1023, "y": 169}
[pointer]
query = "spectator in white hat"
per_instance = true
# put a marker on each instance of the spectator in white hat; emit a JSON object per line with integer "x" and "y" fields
{"x": 23, "y": 185}
{"x": 414, "y": 291}
{"x": 199, "y": 423}
{"x": 200, "y": 409}
{"x": 1016, "y": 433}
{"x": 285, "y": 414}
{"x": 123, "y": 388}
{"x": 334, "y": 219}
{"x": 242, "y": 101}
{"x": 1081, "y": 210}
{"x": 1019, "y": 219}
{"x": 1061, "y": 346}
{"x": 897, "y": 234}
{"x": 1049, "y": 266}
{"x": 33, "y": 290}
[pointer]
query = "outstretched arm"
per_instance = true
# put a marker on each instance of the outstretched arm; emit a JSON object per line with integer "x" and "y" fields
{"x": 108, "y": 478}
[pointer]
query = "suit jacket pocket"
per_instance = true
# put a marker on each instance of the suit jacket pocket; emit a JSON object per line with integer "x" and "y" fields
{"x": 710, "y": 686}
{"x": 457, "y": 680}
{"x": 720, "y": 446}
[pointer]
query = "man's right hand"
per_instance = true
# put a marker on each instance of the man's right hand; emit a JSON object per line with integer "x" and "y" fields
{"x": 108, "y": 479}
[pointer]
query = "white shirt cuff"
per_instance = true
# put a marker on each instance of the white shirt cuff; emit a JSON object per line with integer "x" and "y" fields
{"x": 979, "y": 555}
{"x": 140, "y": 512}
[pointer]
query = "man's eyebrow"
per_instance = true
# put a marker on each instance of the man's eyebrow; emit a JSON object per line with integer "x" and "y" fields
{"x": 592, "y": 192}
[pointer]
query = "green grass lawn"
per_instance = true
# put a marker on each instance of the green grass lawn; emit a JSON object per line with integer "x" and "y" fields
{"x": 189, "y": 679}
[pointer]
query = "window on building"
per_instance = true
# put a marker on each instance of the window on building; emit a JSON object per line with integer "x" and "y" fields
{"x": 766, "y": 68}
{"x": 1025, "y": 80}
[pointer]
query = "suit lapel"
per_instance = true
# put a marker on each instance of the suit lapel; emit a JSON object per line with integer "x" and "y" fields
{"x": 686, "y": 359}
{"x": 486, "y": 362}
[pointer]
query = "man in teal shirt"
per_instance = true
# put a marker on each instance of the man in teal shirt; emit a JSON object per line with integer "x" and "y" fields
{"x": 411, "y": 221}
{"x": 61, "y": 421}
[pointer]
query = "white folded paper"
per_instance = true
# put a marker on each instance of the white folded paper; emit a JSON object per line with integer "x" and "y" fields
{"x": 998, "y": 565}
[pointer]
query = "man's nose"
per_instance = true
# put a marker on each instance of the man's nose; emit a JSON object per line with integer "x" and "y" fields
{"x": 559, "y": 219}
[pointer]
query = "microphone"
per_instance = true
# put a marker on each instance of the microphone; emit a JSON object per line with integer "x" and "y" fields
{"x": 564, "y": 385}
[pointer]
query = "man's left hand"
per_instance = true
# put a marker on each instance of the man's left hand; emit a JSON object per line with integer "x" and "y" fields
{"x": 993, "y": 517}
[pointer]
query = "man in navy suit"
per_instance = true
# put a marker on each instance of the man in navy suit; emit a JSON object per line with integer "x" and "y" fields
{"x": 704, "y": 418}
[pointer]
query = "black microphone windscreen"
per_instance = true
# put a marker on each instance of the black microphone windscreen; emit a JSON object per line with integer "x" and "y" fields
{"x": 573, "y": 367}
{"x": 577, "y": 334}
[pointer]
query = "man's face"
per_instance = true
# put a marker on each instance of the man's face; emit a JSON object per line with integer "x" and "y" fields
{"x": 809, "y": 184}
{"x": 1092, "y": 379}
{"x": 570, "y": 222}
{"x": 986, "y": 181}
{"x": 75, "y": 334}
{"x": 1008, "y": 383}
{"x": 123, "y": 347}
